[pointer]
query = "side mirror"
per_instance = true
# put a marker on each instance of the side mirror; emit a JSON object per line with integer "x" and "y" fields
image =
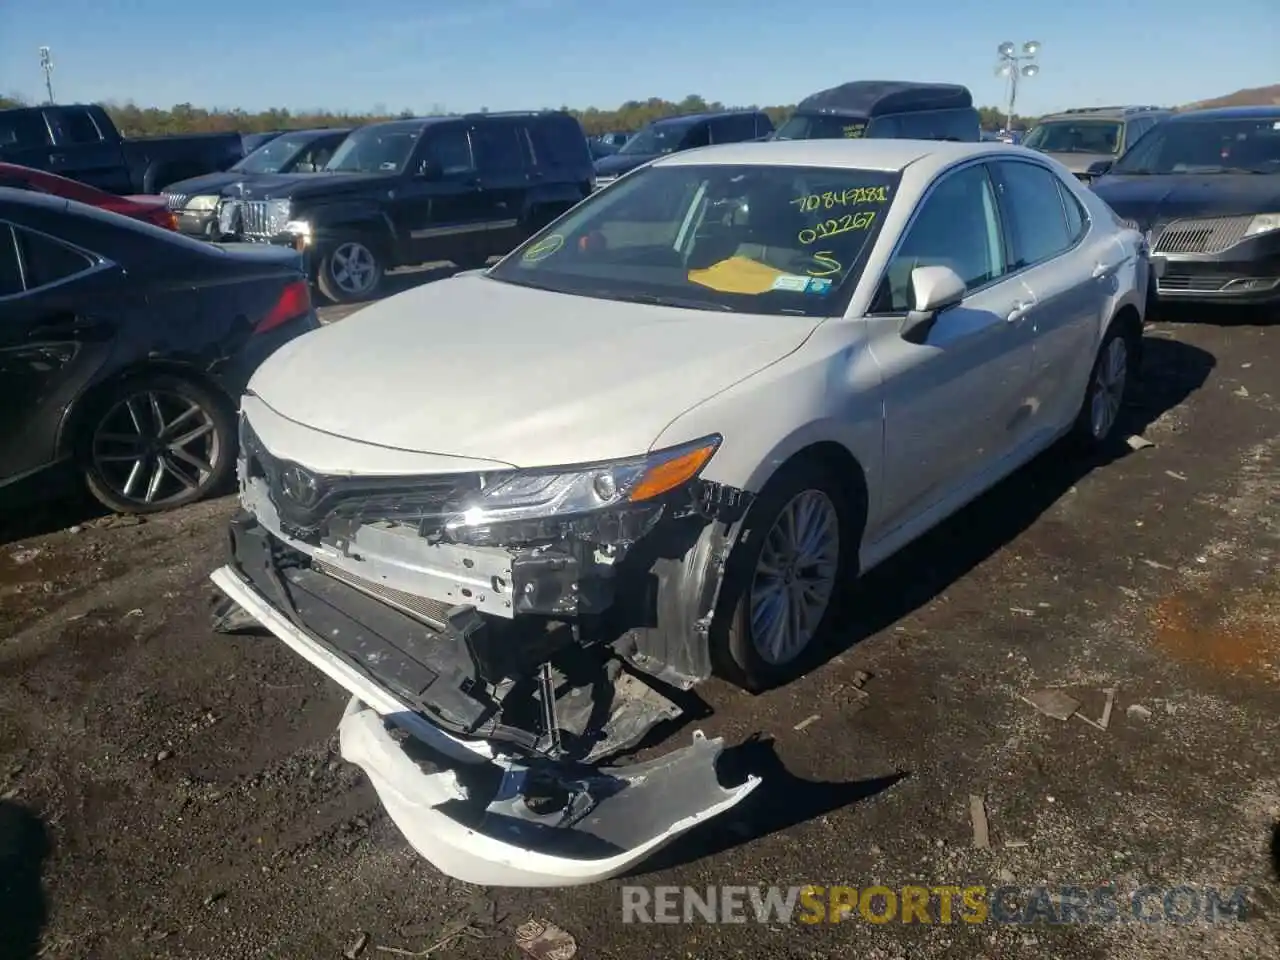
{"x": 430, "y": 170}
{"x": 933, "y": 289}
{"x": 1098, "y": 168}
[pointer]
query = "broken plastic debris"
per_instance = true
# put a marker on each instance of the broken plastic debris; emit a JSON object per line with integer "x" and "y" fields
{"x": 1138, "y": 443}
{"x": 978, "y": 813}
{"x": 1053, "y": 703}
{"x": 1139, "y": 711}
{"x": 545, "y": 941}
{"x": 1105, "y": 720}
{"x": 1176, "y": 475}
{"x": 807, "y": 721}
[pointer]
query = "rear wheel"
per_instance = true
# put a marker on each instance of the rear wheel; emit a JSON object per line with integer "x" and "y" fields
{"x": 1113, "y": 371}
{"x": 784, "y": 575}
{"x": 350, "y": 270}
{"x": 156, "y": 442}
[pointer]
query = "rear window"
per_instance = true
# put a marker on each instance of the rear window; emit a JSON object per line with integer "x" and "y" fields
{"x": 559, "y": 142}
{"x": 22, "y": 128}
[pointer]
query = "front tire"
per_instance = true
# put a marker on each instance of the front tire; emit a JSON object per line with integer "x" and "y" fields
{"x": 350, "y": 270}
{"x": 157, "y": 442}
{"x": 784, "y": 575}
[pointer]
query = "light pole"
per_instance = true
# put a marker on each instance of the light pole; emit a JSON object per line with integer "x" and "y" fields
{"x": 46, "y": 64}
{"x": 1013, "y": 65}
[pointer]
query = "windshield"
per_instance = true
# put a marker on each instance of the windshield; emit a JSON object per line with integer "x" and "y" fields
{"x": 1075, "y": 136}
{"x": 750, "y": 238}
{"x": 1206, "y": 146}
{"x": 274, "y": 155}
{"x": 375, "y": 150}
{"x": 821, "y": 126}
{"x": 658, "y": 137}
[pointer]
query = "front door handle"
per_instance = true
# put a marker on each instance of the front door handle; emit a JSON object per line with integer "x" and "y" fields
{"x": 1020, "y": 310}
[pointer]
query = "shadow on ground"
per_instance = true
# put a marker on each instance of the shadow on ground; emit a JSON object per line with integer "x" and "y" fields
{"x": 1275, "y": 850}
{"x": 913, "y": 577}
{"x": 781, "y": 801}
{"x": 24, "y": 846}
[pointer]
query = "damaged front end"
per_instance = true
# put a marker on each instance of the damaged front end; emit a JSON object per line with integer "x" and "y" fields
{"x": 504, "y": 636}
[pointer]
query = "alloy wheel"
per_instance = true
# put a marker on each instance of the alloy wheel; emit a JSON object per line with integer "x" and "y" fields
{"x": 1107, "y": 393}
{"x": 795, "y": 577}
{"x": 155, "y": 447}
{"x": 353, "y": 268}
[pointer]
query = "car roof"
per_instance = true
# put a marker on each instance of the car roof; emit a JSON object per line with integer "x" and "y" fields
{"x": 873, "y": 97}
{"x": 705, "y": 115}
{"x": 885, "y": 155}
{"x": 1271, "y": 112}
{"x": 1121, "y": 112}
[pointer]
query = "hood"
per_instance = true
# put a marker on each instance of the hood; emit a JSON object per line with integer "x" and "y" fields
{"x": 1148, "y": 199}
{"x": 300, "y": 185}
{"x": 618, "y": 164}
{"x": 208, "y": 184}
{"x": 1076, "y": 162}
{"x": 477, "y": 368}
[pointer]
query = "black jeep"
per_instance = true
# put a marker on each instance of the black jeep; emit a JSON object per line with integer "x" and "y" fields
{"x": 406, "y": 192}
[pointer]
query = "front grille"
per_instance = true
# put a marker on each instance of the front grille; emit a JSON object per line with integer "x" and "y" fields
{"x": 1208, "y": 235}
{"x": 256, "y": 219}
{"x": 176, "y": 201}
{"x": 434, "y": 613}
{"x": 305, "y": 500}
{"x": 1192, "y": 283}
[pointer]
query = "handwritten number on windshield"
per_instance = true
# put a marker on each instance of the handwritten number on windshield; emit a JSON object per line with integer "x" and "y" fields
{"x": 851, "y": 197}
{"x": 827, "y": 265}
{"x": 830, "y": 228}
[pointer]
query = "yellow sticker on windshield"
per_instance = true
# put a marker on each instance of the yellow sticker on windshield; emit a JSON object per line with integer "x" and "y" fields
{"x": 853, "y": 131}
{"x": 543, "y": 248}
{"x": 737, "y": 275}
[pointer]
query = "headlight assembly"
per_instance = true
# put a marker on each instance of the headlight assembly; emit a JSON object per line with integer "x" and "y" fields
{"x": 205, "y": 203}
{"x": 278, "y": 215}
{"x": 1263, "y": 223}
{"x": 530, "y": 505}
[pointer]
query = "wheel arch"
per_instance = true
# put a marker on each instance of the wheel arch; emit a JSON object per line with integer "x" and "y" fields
{"x": 73, "y": 420}
{"x": 1128, "y": 321}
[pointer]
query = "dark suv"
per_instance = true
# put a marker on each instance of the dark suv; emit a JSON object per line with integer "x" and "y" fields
{"x": 684, "y": 132}
{"x": 406, "y": 192}
{"x": 885, "y": 109}
{"x": 1082, "y": 137}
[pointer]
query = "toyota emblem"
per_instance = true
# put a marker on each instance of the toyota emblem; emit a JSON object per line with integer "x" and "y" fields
{"x": 300, "y": 486}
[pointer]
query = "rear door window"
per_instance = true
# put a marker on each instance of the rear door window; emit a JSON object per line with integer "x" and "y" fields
{"x": 47, "y": 261}
{"x": 10, "y": 272}
{"x": 74, "y": 125}
{"x": 497, "y": 148}
{"x": 1031, "y": 200}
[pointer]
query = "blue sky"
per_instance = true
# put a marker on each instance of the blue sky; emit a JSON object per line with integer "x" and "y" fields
{"x": 512, "y": 54}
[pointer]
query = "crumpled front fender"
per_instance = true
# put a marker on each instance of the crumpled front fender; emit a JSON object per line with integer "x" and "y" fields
{"x": 598, "y": 823}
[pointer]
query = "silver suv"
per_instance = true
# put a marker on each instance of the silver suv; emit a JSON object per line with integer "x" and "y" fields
{"x": 1081, "y": 137}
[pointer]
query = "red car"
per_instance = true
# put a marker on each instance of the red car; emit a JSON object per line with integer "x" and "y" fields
{"x": 153, "y": 210}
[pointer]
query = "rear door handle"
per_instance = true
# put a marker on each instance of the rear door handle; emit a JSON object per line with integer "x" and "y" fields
{"x": 1020, "y": 310}
{"x": 57, "y": 158}
{"x": 1106, "y": 269}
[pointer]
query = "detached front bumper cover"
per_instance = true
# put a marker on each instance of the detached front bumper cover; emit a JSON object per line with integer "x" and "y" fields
{"x": 486, "y": 816}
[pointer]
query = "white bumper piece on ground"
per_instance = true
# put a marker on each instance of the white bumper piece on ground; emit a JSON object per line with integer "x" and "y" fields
{"x": 489, "y": 818}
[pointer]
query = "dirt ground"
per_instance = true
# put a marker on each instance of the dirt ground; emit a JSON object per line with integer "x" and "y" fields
{"x": 169, "y": 792}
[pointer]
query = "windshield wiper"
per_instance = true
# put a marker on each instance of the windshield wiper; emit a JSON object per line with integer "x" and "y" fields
{"x": 661, "y": 300}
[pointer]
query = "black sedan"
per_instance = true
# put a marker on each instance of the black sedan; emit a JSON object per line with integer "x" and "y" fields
{"x": 1205, "y": 187}
{"x": 124, "y": 350}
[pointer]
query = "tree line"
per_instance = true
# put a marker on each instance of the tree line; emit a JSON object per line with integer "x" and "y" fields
{"x": 136, "y": 121}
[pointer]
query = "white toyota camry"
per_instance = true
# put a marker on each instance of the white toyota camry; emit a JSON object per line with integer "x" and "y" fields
{"x": 509, "y": 511}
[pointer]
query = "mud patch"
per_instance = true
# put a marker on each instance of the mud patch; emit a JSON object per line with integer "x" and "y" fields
{"x": 1230, "y": 632}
